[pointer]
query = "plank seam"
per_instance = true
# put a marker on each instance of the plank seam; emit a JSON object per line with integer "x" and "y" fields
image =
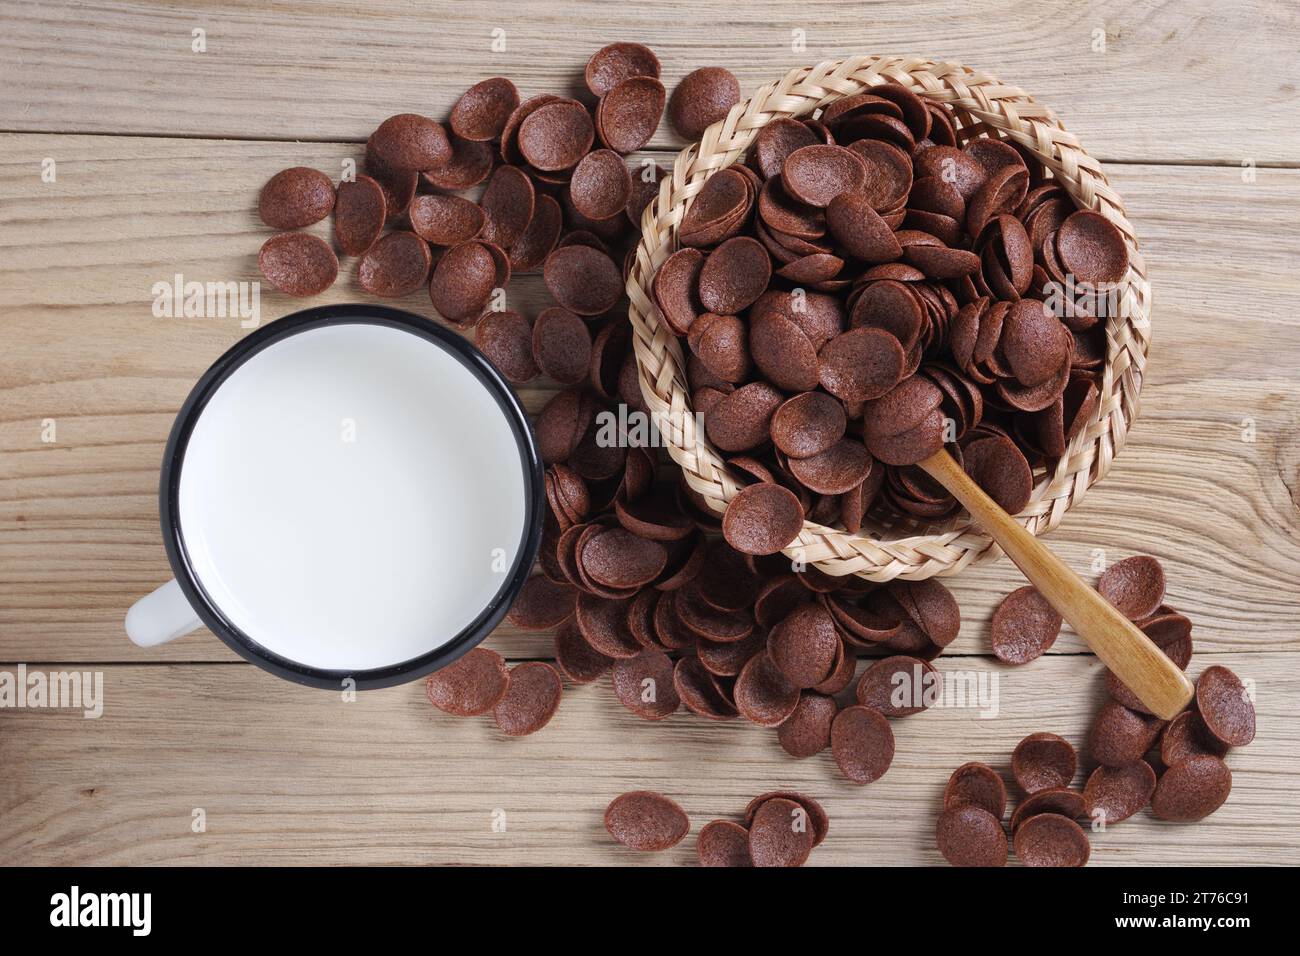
{"x": 1224, "y": 163}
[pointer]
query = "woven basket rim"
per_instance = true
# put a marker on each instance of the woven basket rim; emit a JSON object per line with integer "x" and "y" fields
{"x": 982, "y": 104}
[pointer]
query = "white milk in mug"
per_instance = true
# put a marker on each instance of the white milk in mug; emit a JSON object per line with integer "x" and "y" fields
{"x": 355, "y": 498}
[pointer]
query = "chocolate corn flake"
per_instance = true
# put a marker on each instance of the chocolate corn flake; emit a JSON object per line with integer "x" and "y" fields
{"x": 1043, "y": 761}
{"x": 1113, "y": 794}
{"x": 298, "y": 264}
{"x": 703, "y": 97}
{"x": 723, "y": 843}
{"x": 531, "y": 699}
{"x": 976, "y": 784}
{"x": 1049, "y": 839}
{"x": 296, "y": 197}
{"x": 968, "y": 835}
{"x": 473, "y": 684}
{"x": 359, "y": 214}
{"x": 645, "y": 820}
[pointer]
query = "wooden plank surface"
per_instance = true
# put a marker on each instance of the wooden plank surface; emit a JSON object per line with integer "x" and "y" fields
{"x": 387, "y": 780}
{"x": 1136, "y": 79}
{"x": 79, "y": 538}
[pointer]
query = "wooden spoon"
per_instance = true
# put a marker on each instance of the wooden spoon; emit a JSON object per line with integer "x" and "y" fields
{"x": 1136, "y": 661}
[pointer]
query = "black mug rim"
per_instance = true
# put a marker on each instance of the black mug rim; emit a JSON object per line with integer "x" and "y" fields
{"x": 177, "y": 443}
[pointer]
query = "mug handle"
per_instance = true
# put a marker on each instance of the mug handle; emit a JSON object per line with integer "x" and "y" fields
{"x": 161, "y": 616}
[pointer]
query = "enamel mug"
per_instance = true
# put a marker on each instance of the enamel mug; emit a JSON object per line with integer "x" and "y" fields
{"x": 349, "y": 493}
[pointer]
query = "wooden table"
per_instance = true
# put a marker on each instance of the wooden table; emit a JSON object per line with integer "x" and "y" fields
{"x": 159, "y": 152}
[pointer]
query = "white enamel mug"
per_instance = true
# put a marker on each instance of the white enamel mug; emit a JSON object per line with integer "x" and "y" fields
{"x": 350, "y": 492}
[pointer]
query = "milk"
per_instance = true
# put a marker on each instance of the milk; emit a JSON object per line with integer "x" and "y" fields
{"x": 352, "y": 497}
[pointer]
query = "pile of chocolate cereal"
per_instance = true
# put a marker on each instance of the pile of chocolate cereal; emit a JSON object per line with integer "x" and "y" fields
{"x": 633, "y": 578}
{"x": 781, "y": 828}
{"x": 556, "y": 197}
{"x": 863, "y": 291}
{"x": 1176, "y": 767}
{"x": 867, "y": 288}
{"x": 860, "y": 293}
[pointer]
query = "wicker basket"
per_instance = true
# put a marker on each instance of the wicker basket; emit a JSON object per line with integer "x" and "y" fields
{"x": 982, "y": 105}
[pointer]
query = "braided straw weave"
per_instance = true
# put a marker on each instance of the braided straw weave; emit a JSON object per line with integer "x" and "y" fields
{"x": 981, "y": 104}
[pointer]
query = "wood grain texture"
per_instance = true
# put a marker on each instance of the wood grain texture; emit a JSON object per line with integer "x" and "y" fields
{"x": 390, "y": 780}
{"x": 79, "y": 537}
{"x": 321, "y": 70}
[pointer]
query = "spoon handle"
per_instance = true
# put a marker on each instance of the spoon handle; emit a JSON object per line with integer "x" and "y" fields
{"x": 1152, "y": 676}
